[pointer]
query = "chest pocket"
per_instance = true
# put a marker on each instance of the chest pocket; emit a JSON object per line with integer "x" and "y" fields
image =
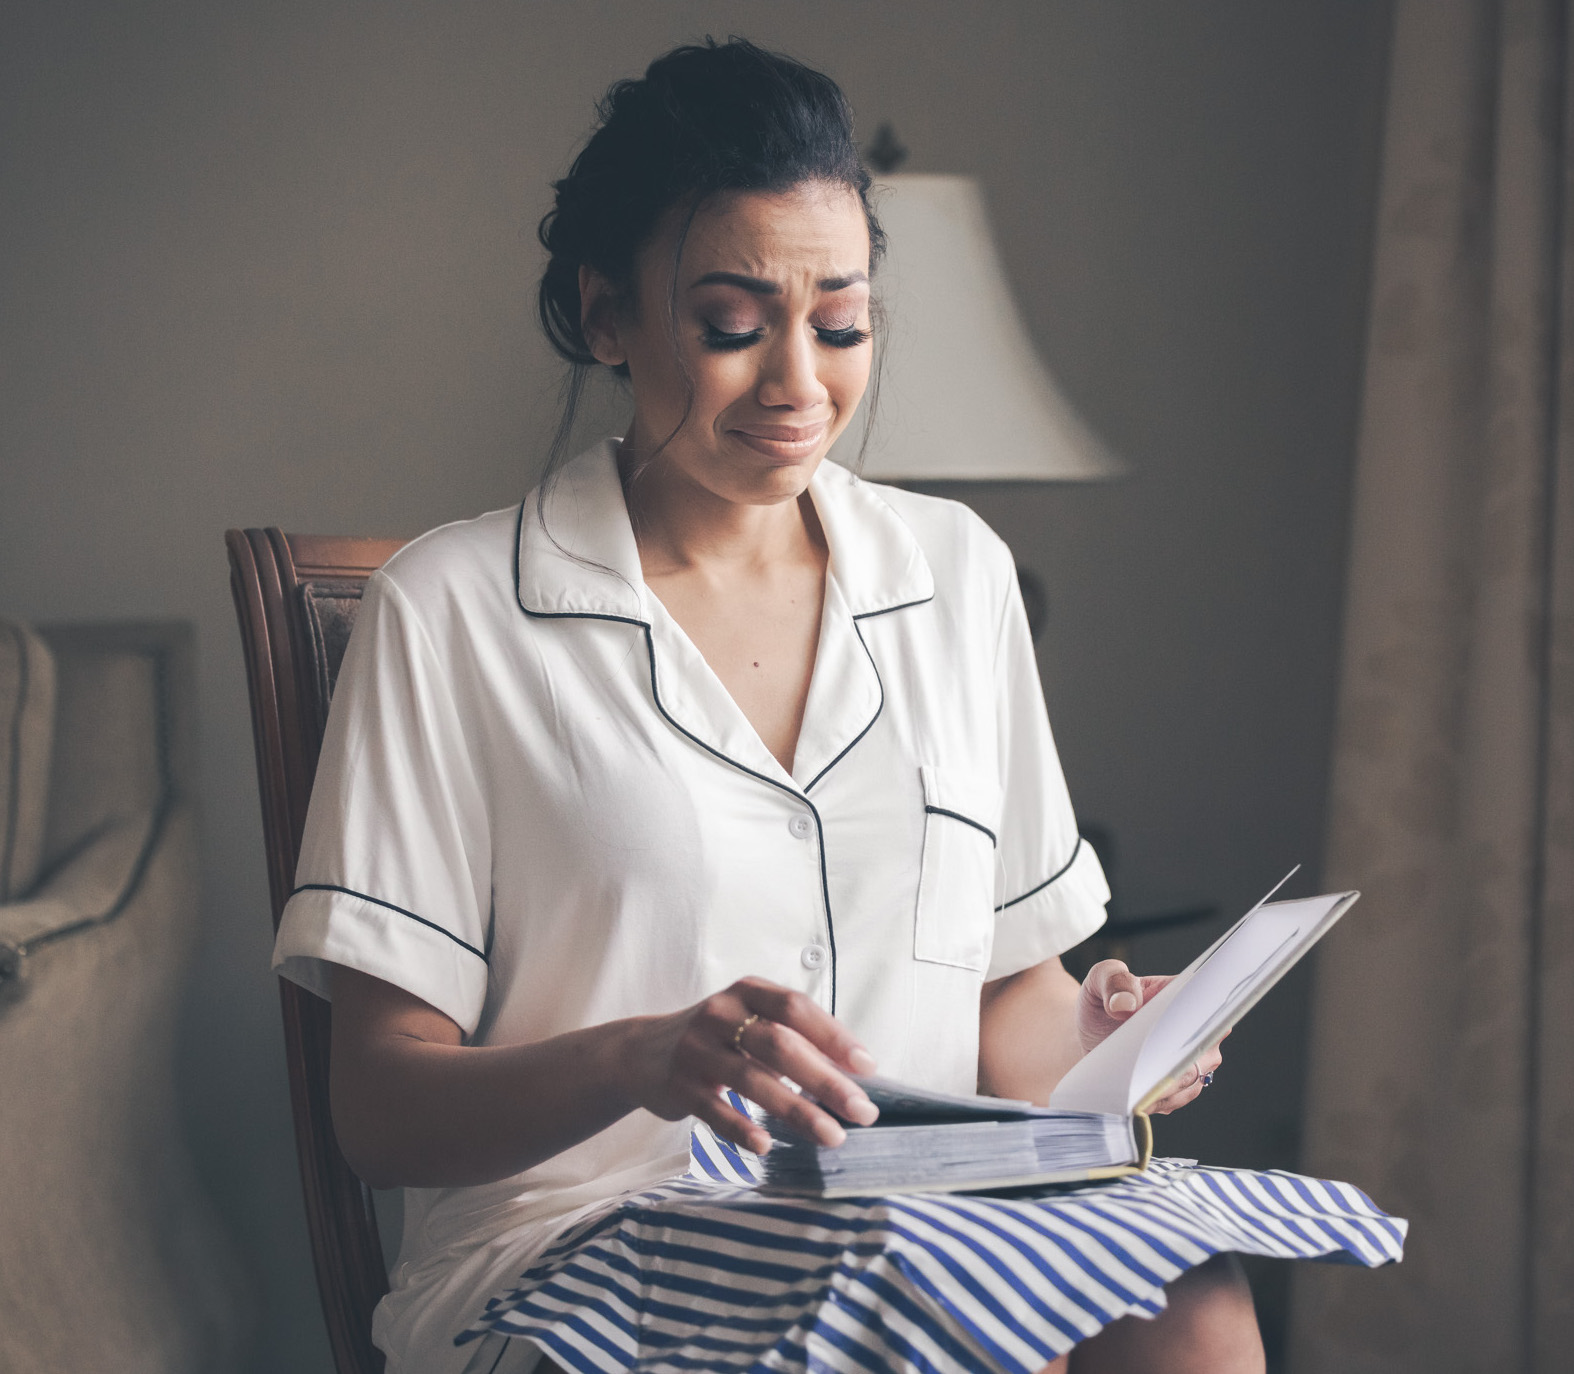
{"x": 955, "y": 920}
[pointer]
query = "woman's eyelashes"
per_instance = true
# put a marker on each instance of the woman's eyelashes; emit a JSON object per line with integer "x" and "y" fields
{"x": 728, "y": 341}
{"x": 849, "y": 337}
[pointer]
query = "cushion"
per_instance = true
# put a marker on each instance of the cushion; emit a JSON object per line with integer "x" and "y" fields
{"x": 27, "y": 731}
{"x": 110, "y": 761}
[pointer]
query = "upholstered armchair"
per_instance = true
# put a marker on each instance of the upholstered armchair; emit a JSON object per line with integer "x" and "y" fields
{"x": 110, "y": 1258}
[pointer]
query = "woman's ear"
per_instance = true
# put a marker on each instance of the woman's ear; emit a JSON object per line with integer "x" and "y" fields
{"x": 598, "y": 318}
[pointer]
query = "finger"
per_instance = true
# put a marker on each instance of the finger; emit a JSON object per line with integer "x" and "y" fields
{"x": 721, "y": 1023}
{"x": 777, "y": 1098}
{"x": 1175, "y": 1100}
{"x": 1190, "y": 1084}
{"x": 730, "y": 1124}
{"x": 1187, "y": 1085}
{"x": 809, "y": 1019}
{"x": 797, "y": 1111}
{"x": 1115, "y": 987}
{"x": 784, "y": 1052}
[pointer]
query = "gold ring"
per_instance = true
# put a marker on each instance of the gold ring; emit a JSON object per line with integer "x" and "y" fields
{"x": 737, "y": 1035}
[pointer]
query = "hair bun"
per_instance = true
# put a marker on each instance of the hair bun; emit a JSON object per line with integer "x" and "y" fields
{"x": 704, "y": 118}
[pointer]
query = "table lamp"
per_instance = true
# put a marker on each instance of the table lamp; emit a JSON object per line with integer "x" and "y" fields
{"x": 964, "y": 396}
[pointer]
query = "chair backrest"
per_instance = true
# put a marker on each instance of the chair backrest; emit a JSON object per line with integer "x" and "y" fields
{"x": 296, "y": 597}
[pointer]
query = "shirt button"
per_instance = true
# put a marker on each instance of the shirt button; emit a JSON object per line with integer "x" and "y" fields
{"x": 814, "y": 956}
{"x": 801, "y": 826}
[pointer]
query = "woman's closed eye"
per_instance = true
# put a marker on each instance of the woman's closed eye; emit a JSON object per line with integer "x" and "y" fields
{"x": 849, "y": 336}
{"x": 728, "y": 341}
{"x": 725, "y": 341}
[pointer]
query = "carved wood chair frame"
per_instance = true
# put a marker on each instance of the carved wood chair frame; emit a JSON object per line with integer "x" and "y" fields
{"x": 296, "y": 597}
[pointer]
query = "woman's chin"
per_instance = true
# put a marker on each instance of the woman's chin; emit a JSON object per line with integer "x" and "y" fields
{"x": 741, "y": 475}
{"x": 780, "y": 484}
{"x": 750, "y": 481}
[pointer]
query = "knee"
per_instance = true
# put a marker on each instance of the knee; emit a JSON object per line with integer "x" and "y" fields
{"x": 1215, "y": 1317}
{"x": 1209, "y": 1327}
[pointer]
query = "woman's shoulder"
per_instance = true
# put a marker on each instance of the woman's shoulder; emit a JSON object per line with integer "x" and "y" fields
{"x": 965, "y": 556}
{"x": 455, "y": 562}
{"x": 938, "y": 521}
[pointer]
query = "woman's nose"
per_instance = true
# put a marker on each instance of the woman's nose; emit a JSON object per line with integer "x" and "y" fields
{"x": 791, "y": 375}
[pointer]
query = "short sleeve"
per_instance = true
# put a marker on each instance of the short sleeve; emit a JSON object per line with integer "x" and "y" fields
{"x": 1050, "y": 890}
{"x": 394, "y": 874}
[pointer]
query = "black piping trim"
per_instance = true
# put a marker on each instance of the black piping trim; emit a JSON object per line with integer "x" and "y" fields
{"x": 1054, "y": 877}
{"x": 378, "y": 901}
{"x": 900, "y": 606}
{"x": 655, "y": 692}
{"x": 968, "y": 820}
{"x": 819, "y": 824}
{"x": 858, "y": 629}
{"x": 880, "y": 682}
{"x": 519, "y": 535}
{"x": 519, "y": 529}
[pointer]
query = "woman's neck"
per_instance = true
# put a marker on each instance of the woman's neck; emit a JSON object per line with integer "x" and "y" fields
{"x": 745, "y": 582}
{"x": 681, "y": 526}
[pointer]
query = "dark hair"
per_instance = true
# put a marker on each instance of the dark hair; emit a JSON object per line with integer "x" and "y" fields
{"x": 704, "y": 118}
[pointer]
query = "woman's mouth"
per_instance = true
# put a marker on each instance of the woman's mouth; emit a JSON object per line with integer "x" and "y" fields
{"x": 783, "y": 441}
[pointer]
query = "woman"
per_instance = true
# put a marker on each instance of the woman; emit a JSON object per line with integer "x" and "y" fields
{"x": 708, "y": 768}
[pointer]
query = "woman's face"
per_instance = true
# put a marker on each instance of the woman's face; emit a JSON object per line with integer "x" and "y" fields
{"x": 772, "y": 327}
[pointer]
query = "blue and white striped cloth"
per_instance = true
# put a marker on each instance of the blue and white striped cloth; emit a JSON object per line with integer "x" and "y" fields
{"x": 718, "y": 1160}
{"x": 709, "y": 1273}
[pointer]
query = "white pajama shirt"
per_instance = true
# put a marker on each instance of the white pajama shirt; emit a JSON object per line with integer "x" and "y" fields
{"x": 538, "y": 809}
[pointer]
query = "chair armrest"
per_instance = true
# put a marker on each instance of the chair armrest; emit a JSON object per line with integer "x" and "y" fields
{"x": 87, "y": 888}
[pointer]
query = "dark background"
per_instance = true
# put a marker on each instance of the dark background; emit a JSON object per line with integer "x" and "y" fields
{"x": 272, "y": 263}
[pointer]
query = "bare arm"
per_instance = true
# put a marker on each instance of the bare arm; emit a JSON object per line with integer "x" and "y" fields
{"x": 414, "y": 1106}
{"x": 1027, "y": 1036}
{"x": 1037, "y": 1023}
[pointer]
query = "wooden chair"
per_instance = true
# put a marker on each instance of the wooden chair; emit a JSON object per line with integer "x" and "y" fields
{"x": 296, "y": 597}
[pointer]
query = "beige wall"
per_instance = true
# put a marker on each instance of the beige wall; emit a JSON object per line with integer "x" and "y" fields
{"x": 272, "y": 263}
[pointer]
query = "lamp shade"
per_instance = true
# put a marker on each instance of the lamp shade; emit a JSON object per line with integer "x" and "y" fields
{"x": 964, "y": 395}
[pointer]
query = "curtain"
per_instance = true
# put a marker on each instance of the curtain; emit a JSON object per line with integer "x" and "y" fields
{"x": 1442, "y": 1056}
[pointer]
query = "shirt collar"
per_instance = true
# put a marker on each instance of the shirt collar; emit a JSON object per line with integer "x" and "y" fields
{"x": 875, "y": 557}
{"x": 582, "y": 559}
{"x": 576, "y": 553}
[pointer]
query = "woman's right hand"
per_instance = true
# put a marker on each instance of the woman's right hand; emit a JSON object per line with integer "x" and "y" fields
{"x": 750, "y": 1037}
{"x": 416, "y": 1107}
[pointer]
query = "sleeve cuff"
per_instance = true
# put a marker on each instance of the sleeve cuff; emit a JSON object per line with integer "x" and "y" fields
{"x": 1049, "y": 920}
{"x": 325, "y": 926}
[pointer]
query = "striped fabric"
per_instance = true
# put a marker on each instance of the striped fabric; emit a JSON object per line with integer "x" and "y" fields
{"x": 710, "y": 1273}
{"x": 718, "y": 1160}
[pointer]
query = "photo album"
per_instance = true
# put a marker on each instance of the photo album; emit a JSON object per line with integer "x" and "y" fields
{"x": 1095, "y": 1124}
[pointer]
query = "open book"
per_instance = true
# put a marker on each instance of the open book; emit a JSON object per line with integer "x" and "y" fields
{"x": 1095, "y": 1125}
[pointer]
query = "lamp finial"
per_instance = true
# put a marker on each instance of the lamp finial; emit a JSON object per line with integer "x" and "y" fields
{"x": 886, "y": 153}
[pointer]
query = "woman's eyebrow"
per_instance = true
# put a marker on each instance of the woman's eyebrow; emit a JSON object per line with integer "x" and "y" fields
{"x": 761, "y": 286}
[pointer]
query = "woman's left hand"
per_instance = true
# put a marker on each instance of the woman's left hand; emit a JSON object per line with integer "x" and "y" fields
{"x": 1111, "y": 993}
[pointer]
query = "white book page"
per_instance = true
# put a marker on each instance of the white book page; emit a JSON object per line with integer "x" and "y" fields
{"x": 1137, "y": 1060}
{"x": 1101, "y": 1080}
